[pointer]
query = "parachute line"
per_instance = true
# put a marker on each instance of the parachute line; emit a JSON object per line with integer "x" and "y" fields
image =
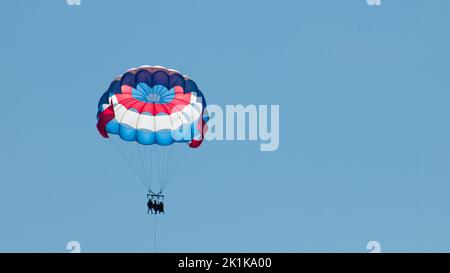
{"x": 154, "y": 234}
{"x": 155, "y": 166}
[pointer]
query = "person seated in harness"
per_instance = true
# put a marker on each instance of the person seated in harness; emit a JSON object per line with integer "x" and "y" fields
{"x": 150, "y": 206}
{"x": 161, "y": 207}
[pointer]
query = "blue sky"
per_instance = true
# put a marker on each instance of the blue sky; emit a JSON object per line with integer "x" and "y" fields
{"x": 364, "y": 125}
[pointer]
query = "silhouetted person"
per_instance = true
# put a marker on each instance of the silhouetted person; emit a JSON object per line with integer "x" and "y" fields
{"x": 158, "y": 207}
{"x": 150, "y": 206}
{"x": 161, "y": 207}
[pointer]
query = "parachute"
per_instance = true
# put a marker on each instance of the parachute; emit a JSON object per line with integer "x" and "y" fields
{"x": 155, "y": 115}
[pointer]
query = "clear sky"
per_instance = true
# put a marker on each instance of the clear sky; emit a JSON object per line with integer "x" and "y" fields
{"x": 364, "y": 125}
